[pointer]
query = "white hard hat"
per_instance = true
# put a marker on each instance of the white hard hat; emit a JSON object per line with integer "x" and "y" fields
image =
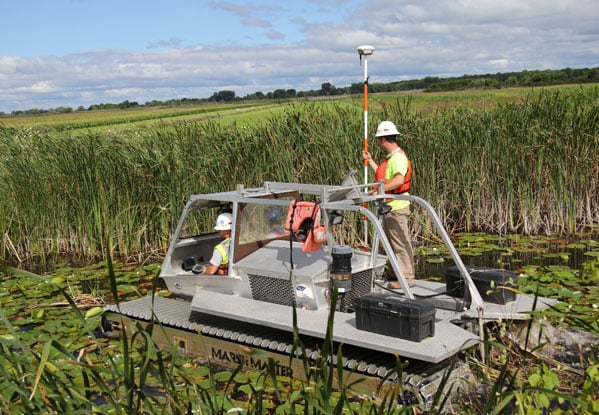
{"x": 386, "y": 128}
{"x": 224, "y": 222}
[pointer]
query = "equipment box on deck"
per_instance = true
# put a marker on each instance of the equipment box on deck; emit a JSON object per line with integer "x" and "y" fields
{"x": 395, "y": 316}
{"x": 494, "y": 285}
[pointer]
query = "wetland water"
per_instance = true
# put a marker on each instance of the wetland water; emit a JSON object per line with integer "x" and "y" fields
{"x": 513, "y": 252}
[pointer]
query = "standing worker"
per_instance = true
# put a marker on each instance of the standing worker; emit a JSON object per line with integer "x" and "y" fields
{"x": 396, "y": 171}
{"x": 219, "y": 263}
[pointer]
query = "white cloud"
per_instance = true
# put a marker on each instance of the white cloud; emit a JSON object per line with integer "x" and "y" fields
{"x": 499, "y": 63}
{"x": 42, "y": 87}
{"x": 123, "y": 92}
{"x": 412, "y": 39}
{"x": 173, "y": 41}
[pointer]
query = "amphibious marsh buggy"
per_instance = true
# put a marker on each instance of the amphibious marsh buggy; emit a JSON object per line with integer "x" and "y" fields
{"x": 288, "y": 252}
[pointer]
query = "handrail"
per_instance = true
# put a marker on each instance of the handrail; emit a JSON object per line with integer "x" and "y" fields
{"x": 475, "y": 295}
{"x": 354, "y": 204}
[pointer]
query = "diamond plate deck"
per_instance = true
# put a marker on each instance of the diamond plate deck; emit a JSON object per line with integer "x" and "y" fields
{"x": 449, "y": 339}
{"x": 220, "y": 315}
{"x": 169, "y": 311}
{"x": 519, "y": 309}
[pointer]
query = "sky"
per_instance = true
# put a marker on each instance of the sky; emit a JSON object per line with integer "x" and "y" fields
{"x": 72, "y": 53}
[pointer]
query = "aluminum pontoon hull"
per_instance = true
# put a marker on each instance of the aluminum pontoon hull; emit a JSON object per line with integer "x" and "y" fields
{"x": 449, "y": 338}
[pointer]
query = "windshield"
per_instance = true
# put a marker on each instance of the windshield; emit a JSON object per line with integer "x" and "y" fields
{"x": 262, "y": 222}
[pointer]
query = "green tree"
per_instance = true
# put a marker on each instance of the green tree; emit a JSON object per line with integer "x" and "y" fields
{"x": 327, "y": 88}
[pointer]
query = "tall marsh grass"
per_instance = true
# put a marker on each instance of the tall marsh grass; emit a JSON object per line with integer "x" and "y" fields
{"x": 530, "y": 166}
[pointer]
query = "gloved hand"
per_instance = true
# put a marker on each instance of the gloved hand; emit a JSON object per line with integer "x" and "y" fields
{"x": 198, "y": 269}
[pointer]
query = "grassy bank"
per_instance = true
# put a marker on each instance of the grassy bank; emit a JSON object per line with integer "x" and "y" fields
{"x": 526, "y": 165}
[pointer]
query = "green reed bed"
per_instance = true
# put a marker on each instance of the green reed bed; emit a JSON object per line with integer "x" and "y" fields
{"x": 529, "y": 166}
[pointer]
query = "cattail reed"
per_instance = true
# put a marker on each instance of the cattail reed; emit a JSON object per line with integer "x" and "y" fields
{"x": 528, "y": 166}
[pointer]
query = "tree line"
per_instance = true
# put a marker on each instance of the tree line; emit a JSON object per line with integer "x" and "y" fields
{"x": 428, "y": 84}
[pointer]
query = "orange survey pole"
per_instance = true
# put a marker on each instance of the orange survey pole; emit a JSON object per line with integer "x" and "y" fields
{"x": 365, "y": 51}
{"x": 365, "y": 120}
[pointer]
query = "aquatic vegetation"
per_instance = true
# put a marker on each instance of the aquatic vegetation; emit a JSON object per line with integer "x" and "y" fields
{"x": 527, "y": 166}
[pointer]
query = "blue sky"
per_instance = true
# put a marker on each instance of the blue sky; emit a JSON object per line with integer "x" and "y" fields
{"x": 82, "y": 52}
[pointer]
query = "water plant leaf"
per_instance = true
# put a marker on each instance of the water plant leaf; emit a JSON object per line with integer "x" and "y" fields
{"x": 241, "y": 377}
{"x": 472, "y": 252}
{"x": 246, "y": 388}
{"x": 564, "y": 256}
{"x": 565, "y": 294}
{"x": 223, "y": 376}
{"x": 57, "y": 280}
{"x": 534, "y": 379}
{"x": 94, "y": 311}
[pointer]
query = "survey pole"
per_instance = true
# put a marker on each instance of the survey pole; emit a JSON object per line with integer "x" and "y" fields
{"x": 364, "y": 51}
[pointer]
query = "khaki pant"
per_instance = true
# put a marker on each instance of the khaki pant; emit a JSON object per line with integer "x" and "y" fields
{"x": 396, "y": 228}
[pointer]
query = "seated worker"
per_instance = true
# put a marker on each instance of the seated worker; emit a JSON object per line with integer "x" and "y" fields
{"x": 219, "y": 263}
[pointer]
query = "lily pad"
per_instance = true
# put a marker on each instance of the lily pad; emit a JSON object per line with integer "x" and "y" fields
{"x": 564, "y": 256}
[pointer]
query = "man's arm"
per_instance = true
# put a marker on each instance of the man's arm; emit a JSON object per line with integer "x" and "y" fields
{"x": 210, "y": 269}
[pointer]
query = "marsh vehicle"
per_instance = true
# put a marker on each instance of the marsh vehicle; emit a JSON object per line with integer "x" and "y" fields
{"x": 289, "y": 251}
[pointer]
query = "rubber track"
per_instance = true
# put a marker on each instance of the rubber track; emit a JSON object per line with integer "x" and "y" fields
{"x": 355, "y": 359}
{"x": 420, "y": 378}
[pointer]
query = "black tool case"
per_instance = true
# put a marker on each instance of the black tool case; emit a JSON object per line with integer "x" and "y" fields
{"x": 395, "y": 316}
{"x": 494, "y": 285}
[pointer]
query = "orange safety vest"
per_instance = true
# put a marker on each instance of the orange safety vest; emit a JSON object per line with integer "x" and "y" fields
{"x": 380, "y": 175}
{"x": 303, "y": 220}
{"x": 301, "y": 217}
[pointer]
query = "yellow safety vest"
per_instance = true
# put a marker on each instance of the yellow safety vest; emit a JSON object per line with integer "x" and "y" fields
{"x": 223, "y": 248}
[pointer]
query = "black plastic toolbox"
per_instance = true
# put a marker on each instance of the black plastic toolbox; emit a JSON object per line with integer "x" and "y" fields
{"x": 494, "y": 285}
{"x": 395, "y": 316}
